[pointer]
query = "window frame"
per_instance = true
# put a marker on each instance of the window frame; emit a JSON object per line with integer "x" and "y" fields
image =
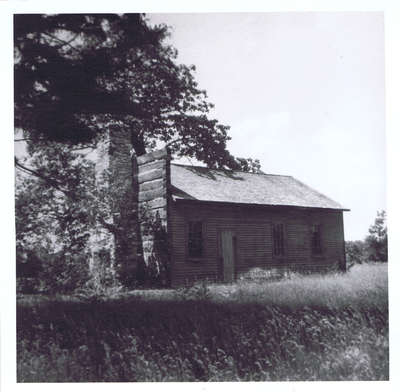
{"x": 194, "y": 257}
{"x": 280, "y": 240}
{"x": 317, "y": 249}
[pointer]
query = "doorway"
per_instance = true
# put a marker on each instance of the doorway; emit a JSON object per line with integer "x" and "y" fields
{"x": 228, "y": 245}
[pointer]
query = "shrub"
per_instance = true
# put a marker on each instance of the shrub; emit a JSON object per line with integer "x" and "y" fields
{"x": 197, "y": 292}
{"x": 375, "y": 246}
{"x": 57, "y": 273}
{"x": 356, "y": 252}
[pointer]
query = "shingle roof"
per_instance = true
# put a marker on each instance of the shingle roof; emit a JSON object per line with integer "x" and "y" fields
{"x": 200, "y": 183}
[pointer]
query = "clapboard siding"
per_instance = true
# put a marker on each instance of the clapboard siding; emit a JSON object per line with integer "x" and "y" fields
{"x": 252, "y": 225}
{"x": 253, "y": 229}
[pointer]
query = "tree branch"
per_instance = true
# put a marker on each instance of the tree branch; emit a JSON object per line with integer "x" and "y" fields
{"x": 110, "y": 227}
{"x": 64, "y": 43}
{"x": 72, "y": 39}
{"x": 24, "y": 139}
{"x": 91, "y": 146}
{"x": 171, "y": 142}
{"x": 50, "y": 181}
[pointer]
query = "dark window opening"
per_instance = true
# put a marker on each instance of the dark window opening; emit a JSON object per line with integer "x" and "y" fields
{"x": 316, "y": 240}
{"x": 195, "y": 239}
{"x": 278, "y": 238}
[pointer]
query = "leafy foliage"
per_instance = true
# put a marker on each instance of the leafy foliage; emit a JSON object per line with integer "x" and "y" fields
{"x": 373, "y": 248}
{"x": 250, "y": 165}
{"x": 356, "y": 252}
{"x": 53, "y": 223}
{"x": 77, "y": 77}
{"x": 59, "y": 60}
{"x": 376, "y": 241}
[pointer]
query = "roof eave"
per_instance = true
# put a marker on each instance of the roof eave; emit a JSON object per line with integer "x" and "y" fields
{"x": 182, "y": 200}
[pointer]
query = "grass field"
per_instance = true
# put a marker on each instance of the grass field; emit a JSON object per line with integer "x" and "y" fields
{"x": 322, "y": 327}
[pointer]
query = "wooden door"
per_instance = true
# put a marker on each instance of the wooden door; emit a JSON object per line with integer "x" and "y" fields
{"x": 228, "y": 255}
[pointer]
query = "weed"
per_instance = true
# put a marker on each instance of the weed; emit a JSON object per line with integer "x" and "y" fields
{"x": 331, "y": 327}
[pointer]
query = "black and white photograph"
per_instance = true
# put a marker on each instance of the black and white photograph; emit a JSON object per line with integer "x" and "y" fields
{"x": 200, "y": 197}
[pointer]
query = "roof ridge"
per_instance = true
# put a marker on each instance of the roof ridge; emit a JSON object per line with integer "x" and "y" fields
{"x": 234, "y": 171}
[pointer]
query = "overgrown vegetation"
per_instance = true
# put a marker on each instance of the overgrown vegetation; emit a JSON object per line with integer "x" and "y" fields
{"x": 332, "y": 327}
{"x": 374, "y": 248}
{"x": 78, "y": 78}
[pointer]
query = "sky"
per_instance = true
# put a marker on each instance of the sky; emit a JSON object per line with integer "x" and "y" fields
{"x": 302, "y": 92}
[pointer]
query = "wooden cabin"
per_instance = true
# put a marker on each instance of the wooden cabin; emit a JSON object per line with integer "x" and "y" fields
{"x": 221, "y": 225}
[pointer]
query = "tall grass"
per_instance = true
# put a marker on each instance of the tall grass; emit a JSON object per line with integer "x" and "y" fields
{"x": 363, "y": 286}
{"x": 305, "y": 328}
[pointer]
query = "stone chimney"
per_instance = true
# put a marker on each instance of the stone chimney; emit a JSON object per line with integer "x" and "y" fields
{"x": 116, "y": 243}
{"x": 131, "y": 239}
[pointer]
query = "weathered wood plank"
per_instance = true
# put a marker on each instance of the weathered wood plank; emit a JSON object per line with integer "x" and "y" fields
{"x": 152, "y": 156}
{"x": 152, "y": 174}
{"x": 160, "y": 164}
{"x": 159, "y": 183}
{"x": 152, "y": 194}
{"x": 159, "y": 202}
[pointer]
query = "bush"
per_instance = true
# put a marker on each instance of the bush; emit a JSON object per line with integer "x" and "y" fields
{"x": 356, "y": 252}
{"x": 197, "y": 292}
{"x": 375, "y": 246}
{"x": 54, "y": 273}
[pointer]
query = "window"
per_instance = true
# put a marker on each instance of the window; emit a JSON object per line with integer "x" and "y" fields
{"x": 278, "y": 238}
{"x": 195, "y": 239}
{"x": 316, "y": 247}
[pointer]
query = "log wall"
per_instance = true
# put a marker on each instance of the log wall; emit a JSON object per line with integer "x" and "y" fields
{"x": 153, "y": 178}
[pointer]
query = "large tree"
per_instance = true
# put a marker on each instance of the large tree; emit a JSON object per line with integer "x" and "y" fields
{"x": 377, "y": 240}
{"x": 77, "y": 76}
{"x": 59, "y": 61}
